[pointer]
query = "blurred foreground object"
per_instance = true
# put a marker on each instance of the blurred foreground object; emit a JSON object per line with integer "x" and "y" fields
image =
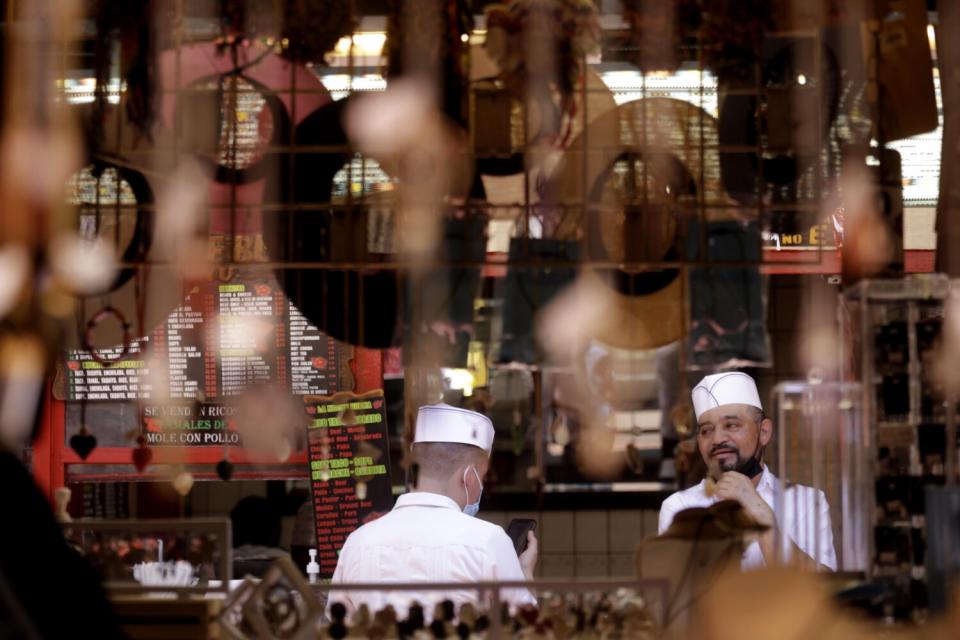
{"x": 700, "y": 544}
{"x": 39, "y": 571}
{"x": 775, "y": 604}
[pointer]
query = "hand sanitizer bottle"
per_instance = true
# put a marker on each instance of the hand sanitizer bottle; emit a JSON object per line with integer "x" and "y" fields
{"x": 313, "y": 569}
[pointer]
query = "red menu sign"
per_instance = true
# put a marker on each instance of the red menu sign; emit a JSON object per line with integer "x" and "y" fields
{"x": 349, "y": 452}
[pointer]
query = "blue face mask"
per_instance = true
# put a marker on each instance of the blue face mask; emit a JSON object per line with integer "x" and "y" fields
{"x": 474, "y": 507}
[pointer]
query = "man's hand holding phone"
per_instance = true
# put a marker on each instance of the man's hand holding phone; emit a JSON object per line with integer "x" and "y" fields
{"x": 528, "y": 559}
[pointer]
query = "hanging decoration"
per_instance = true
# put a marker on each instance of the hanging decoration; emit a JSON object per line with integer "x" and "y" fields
{"x": 572, "y": 26}
{"x": 183, "y": 483}
{"x": 732, "y": 33}
{"x": 142, "y": 454}
{"x": 429, "y": 36}
{"x": 127, "y": 31}
{"x": 88, "y": 342}
{"x": 225, "y": 469}
{"x": 659, "y": 32}
{"x": 83, "y": 442}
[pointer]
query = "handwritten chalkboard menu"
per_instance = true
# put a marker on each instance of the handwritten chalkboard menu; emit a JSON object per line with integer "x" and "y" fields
{"x": 224, "y": 338}
{"x": 349, "y": 468}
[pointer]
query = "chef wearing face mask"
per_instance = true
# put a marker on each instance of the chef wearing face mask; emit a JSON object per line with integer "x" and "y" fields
{"x": 431, "y": 534}
{"x": 732, "y": 433}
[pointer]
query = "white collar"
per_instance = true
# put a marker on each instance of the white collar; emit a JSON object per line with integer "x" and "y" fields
{"x": 767, "y": 479}
{"x": 425, "y": 499}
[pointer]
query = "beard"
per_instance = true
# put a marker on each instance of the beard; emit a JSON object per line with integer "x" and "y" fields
{"x": 729, "y": 465}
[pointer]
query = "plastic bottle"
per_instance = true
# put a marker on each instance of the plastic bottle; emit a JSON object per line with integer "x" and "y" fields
{"x": 313, "y": 569}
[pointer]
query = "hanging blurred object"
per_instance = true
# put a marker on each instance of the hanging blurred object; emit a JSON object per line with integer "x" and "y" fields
{"x": 659, "y": 31}
{"x": 38, "y": 131}
{"x": 269, "y": 421}
{"x": 701, "y": 545}
{"x": 566, "y": 326}
{"x": 426, "y": 40}
{"x": 413, "y": 142}
{"x": 142, "y": 454}
{"x": 81, "y": 266}
{"x": 868, "y": 218}
{"x": 112, "y": 211}
{"x": 596, "y": 452}
{"x": 763, "y": 604}
{"x": 127, "y": 36}
{"x": 39, "y": 145}
{"x": 83, "y": 442}
{"x": 540, "y": 46}
{"x": 23, "y": 359}
{"x": 731, "y": 34}
{"x": 107, "y": 316}
{"x": 183, "y": 483}
{"x": 225, "y": 470}
{"x": 15, "y": 271}
{"x": 900, "y": 68}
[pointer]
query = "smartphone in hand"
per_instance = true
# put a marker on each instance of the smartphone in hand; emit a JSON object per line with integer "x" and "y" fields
{"x": 517, "y": 530}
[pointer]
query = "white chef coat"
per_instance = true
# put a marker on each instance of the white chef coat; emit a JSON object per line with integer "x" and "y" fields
{"x": 805, "y": 518}
{"x": 425, "y": 538}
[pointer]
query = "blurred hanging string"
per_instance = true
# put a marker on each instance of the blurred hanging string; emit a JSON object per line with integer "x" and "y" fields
{"x": 127, "y": 34}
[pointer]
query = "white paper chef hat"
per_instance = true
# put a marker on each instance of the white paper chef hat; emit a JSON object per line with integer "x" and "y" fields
{"x": 718, "y": 389}
{"x": 443, "y": 423}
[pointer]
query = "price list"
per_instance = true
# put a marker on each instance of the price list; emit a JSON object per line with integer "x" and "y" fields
{"x": 224, "y": 338}
{"x": 349, "y": 468}
{"x": 313, "y": 358}
{"x": 114, "y": 376}
{"x": 181, "y": 339}
{"x": 247, "y": 350}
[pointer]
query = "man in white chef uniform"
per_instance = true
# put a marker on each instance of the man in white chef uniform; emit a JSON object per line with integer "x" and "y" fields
{"x": 431, "y": 535}
{"x": 731, "y": 435}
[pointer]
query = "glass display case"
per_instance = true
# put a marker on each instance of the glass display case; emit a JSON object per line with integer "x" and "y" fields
{"x": 823, "y": 443}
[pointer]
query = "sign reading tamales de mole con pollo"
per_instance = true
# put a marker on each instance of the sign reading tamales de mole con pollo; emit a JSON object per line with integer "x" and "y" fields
{"x": 349, "y": 453}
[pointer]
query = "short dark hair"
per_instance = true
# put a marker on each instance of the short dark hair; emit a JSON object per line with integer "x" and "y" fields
{"x": 757, "y": 414}
{"x": 440, "y": 460}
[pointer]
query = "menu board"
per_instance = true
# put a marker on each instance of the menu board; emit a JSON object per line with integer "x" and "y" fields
{"x": 225, "y": 338}
{"x": 349, "y": 457}
{"x": 186, "y": 375}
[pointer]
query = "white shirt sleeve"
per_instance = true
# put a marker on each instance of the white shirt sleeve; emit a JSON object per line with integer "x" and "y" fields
{"x": 826, "y": 554}
{"x": 667, "y": 512}
{"x": 506, "y": 567}
{"x": 811, "y": 529}
{"x": 339, "y": 577}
